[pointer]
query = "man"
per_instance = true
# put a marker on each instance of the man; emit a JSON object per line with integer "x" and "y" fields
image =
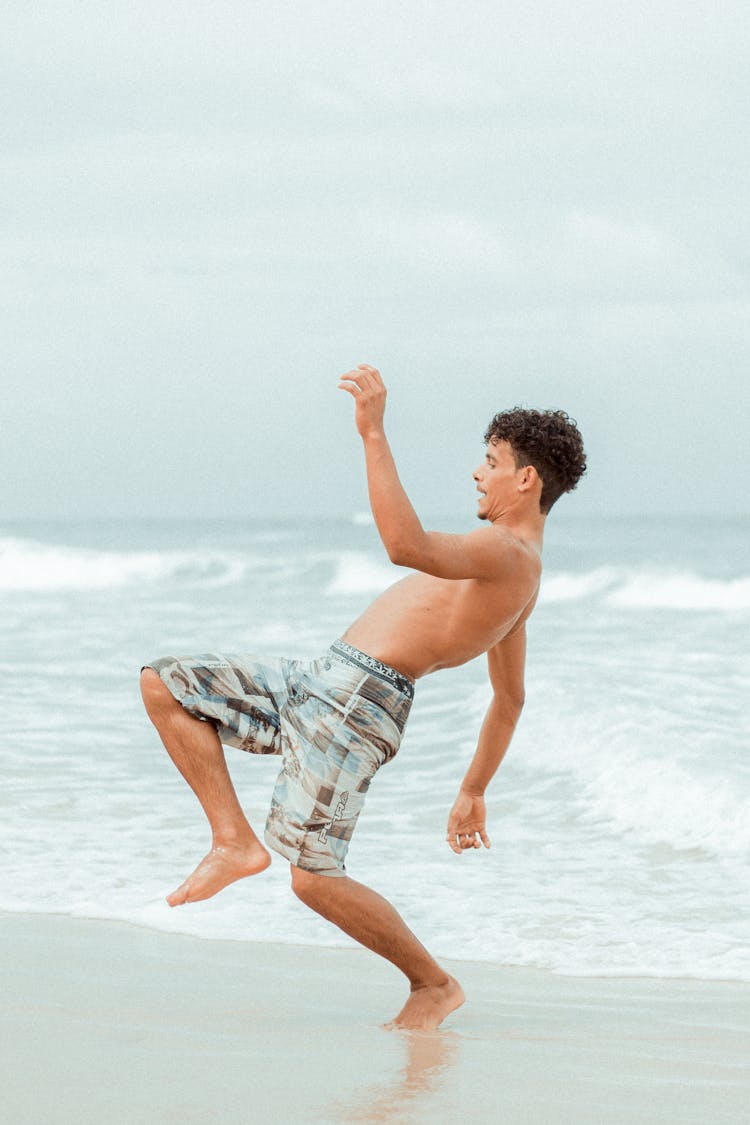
{"x": 336, "y": 720}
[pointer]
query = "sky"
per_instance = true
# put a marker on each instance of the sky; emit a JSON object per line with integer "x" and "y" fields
{"x": 209, "y": 211}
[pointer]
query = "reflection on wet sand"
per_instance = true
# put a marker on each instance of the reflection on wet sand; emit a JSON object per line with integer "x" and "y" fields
{"x": 429, "y": 1057}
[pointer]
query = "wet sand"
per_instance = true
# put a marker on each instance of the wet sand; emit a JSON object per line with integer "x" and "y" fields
{"x": 105, "y": 1021}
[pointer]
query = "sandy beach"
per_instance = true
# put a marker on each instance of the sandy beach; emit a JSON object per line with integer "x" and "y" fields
{"x": 107, "y": 1022}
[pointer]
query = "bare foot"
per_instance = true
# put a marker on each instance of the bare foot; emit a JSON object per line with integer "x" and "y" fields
{"x": 222, "y": 866}
{"x": 427, "y": 1007}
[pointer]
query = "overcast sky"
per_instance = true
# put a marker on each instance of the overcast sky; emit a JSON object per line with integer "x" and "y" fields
{"x": 208, "y": 211}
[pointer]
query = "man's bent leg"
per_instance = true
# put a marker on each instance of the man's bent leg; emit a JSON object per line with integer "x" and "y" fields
{"x": 195, "y": 749}
{"x": 373, "y": 922}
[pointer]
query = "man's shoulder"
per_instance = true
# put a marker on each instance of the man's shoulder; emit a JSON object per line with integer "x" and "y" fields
{"x": 512, "y": 551}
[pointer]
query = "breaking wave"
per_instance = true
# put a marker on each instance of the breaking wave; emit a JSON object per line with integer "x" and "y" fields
{"x": 31, "y": 566}
{"x": 636, "y": 589}
{"x": 28, "y": 565}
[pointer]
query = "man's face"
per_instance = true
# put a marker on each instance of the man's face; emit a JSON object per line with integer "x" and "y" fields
{"x": 495, "y": 479}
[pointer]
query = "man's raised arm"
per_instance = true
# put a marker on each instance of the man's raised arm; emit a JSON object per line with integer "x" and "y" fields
{"x": 481, "y": 554}
{"x": 396, "y": 520}
{"x": 467, "y": 819}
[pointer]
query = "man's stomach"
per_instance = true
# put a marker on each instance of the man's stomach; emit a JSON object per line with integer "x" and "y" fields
{"x": 422, "y": 624}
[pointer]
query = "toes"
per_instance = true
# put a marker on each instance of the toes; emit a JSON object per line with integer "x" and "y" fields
{"x": 178, "y": 897}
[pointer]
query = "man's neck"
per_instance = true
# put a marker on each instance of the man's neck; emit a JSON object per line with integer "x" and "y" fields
{"x": 526, "y": 526}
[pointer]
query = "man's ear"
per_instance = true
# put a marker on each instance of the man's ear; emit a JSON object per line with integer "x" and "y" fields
{"x": 527, "y": 478}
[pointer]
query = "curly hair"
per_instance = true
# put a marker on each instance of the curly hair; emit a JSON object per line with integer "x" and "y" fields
{"x": 547, "y": 439}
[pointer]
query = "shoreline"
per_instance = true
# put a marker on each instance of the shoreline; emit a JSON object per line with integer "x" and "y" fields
{"x": 348, "y": 945}
{"x": 113, "y": 1021}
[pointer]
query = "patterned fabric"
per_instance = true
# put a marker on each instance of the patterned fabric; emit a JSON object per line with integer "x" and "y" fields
{"x": 334, "y": 721}
{"x": 352, "y": 655}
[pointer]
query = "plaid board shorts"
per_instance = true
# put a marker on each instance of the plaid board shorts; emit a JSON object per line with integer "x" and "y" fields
{"x": 335, "y": 721}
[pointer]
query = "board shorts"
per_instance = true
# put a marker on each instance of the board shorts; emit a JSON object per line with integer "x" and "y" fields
{"x": 334, "y": 721}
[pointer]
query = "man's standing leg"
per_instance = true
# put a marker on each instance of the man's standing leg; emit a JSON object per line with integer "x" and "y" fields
{"x": 373, "y": 922}
{"x": 195, "y": 749}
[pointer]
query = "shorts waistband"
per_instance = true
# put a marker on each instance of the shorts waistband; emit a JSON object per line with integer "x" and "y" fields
{"x": 347, "y": 653}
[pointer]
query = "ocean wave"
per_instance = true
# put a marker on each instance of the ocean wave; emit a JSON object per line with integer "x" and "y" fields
{"x": 360, "y": 573}
{"x": 661, "y": 803}
{"x": 27, "y": 565}
{"x": 681, "y": 591}
{"x": 647, "y": 589}
{"x": 568, "y": 586}
{"x": 637, "y": 770}
{"x": 31, "y": 565}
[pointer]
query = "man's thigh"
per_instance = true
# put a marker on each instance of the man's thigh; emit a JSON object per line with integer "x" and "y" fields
{"x": 242, "y": 696}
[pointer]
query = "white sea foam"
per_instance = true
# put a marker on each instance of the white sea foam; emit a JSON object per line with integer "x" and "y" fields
{"x": 361, "y": 573}
{"x": 29, "y": 565}
{"x": 569, "y": 587}
{"x": 642, "y": 792}
{"x": 680, "y": 591}
{"x": 644, "y": 589}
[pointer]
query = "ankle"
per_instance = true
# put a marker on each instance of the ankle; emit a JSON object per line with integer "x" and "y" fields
{"x": 236, "y": 836}
{"x": 438, "y": 979}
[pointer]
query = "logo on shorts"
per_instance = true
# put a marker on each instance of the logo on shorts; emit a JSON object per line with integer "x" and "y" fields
{"x": 338, "y": 813}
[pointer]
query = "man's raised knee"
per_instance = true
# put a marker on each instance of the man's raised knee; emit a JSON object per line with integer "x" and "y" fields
{"x": 157, "y": 697}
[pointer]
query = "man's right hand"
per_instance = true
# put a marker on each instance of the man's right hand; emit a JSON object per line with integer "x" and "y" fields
{"x": 367, "y": 388}
{"x": 466, "y": 823}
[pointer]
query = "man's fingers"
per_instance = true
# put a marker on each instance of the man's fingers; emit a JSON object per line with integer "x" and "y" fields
{"x": 462, "y": 841}
{"x": 370, "y": 369}
{"x": 366, "y": 378}
{"x": 357, "y": 376}
{"x": 454, "y": 838}
{"x": 375, "y": 379}
{"x": 351, "y": 380}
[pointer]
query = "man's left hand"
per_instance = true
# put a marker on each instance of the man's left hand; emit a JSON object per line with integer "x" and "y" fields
{"x": 466, "y": 823}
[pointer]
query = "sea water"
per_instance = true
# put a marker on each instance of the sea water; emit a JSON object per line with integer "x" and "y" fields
{"x": 619, "y": 820}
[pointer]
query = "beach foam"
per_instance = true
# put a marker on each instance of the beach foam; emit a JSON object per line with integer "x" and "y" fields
{"x": 26, "y": 564}
{"x": 359, "y": 573}
{"x": 32, "y": 565}
{"x": 643, "y": 589}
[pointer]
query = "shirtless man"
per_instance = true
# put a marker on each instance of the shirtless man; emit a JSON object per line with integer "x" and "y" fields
{"x": 336, "y": 720}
